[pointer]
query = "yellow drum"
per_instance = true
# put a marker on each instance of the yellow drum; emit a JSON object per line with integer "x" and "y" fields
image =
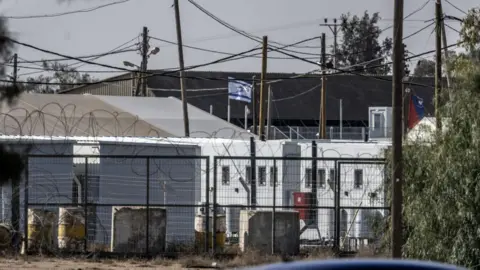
{"x": 71, "y": 229}
{"x": 200, "y": 231}
{"x": 40, "y": 229}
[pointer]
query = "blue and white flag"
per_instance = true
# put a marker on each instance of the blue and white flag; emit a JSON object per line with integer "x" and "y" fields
{"x": 239, "y": 90}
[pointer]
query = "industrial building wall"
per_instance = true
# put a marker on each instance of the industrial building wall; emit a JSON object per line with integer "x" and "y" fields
{"x": 123, "y": 181}
{"x": 122, "y": 85}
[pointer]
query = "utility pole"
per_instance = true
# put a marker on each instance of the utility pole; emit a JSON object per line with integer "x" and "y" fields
{"x": 323, "y": 110}
{"x": 269, "y": 112}
{"x": 335, "y": 34}
{"x": 438, "y": 63}
{"x": 445, "y": 45}
{"x": 261, "y": 120}
{"x": 182, "y": 67}
{"x": 397, "y": 164}
{"x": 254, "y": 106}
{"x": 15, "y": 200}
{"x": 143, "y": 65}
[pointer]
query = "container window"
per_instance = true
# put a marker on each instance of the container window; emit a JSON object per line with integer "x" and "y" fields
{"x": 262, "y": 176}
{"x": 248, "y": 174}
{"x": 273, "y": 176}
{"x": 308, "y": 177}
{"x": 331, "y": 179}
{"x": 225, "y": 175}
{"x": 358, "y": 178}
{"x": 321, "y": 178}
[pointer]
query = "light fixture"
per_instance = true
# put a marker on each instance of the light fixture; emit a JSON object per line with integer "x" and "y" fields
{"x": 155, "y": 51}
{"x": 129, "y": 64}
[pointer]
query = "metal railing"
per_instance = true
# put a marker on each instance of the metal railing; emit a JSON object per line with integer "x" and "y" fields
{"x": 333, "y": 132}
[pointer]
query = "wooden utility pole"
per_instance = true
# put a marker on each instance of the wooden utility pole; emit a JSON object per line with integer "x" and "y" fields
{"x": 261, "y": 120}
{"x": 182, "y": 67}
{"x": 445, "y": 45}
{"x": 143, "y": 65}
{"x": 15, "y": 199}
{"x": 438, "y": 63}
{"x": 254, "y": 106}
{"x": 322, "y": 132}
{"x": 335, "y": 35}
{"x": 397, "y": 164}
{"x": 269, "y": 113}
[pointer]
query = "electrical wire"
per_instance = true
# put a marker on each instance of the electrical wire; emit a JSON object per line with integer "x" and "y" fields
{"x": 259, "y": 40}
{"x": 75, "y": 57}
{"x": 226, "y": 59}
{"x": 419, "y": 31}
{"x": 451, "y": 28}
{"x": 66, "y": 13}
{"x": 241, "y": 32}
{"x": 456, "y": 7}
{"x": 226, "y": 53}
{"x": 168, "y": 73}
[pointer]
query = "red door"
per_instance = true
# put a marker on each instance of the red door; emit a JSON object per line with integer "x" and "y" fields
{"x": 301, "y": 203}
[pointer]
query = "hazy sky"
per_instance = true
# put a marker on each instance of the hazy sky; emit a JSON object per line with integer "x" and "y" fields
{"x": 285, "y": 21}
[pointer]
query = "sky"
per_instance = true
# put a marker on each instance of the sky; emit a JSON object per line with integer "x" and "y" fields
{"x": 284, "y": 21}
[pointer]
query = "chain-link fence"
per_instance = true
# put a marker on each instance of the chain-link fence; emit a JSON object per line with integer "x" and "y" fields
{"x": 161, "y": 204}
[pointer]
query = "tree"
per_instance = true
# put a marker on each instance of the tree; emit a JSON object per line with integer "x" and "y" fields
{"x": 424, "y": 68}
{"x": 442, "y": 175}
{"x": 361, "y": 48}
{"x": 62, "y": 74}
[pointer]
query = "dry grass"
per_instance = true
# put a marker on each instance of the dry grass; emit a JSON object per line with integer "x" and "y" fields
{"x": 183, "y": 262}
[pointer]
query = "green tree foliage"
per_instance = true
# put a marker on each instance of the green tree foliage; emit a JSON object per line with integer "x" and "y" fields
{"x": 442, "y": 176}
{"x": 424, "y": 68}
{"x": 361, "y": 46}
{"x": 57, "y": 73}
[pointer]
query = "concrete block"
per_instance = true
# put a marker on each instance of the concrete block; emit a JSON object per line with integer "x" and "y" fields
{"x": 256, "y": 231}
{"x": 129, "y": 229}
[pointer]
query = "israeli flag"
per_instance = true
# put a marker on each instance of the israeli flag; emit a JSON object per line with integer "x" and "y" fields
{"x": 239, "y": 90}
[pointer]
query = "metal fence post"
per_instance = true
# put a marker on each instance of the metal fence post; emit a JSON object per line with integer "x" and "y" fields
{"x": 85, "y": 206}
{"x": 253, "y": 180}
{"x": 207, "y": 203}
{"x": 25, "y": 209}
{"x": 313, "y": 200}
{"x": 147, "y": 233}
{"x": 337, "y": 206}
{"x": 274, "y": 204}
{"x": 214, "y": 229}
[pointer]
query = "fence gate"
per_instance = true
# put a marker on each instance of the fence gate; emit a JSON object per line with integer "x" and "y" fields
{"x": 361, "y": 207}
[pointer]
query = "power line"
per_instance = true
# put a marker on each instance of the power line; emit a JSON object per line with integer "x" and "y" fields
{"x": 419, "y": 31}
{"x": 410, "y": 14}
{"x": 65, "y": 13}
{"x": 226, "y": 53}
{"x": 241, "y": 32}
{"x": 168, "y": 73}
{"x": 75, "y": 57}
{"x": 455, "y": 7}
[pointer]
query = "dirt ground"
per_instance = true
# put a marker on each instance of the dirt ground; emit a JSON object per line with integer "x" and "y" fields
{"x": 83, "y": 265}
